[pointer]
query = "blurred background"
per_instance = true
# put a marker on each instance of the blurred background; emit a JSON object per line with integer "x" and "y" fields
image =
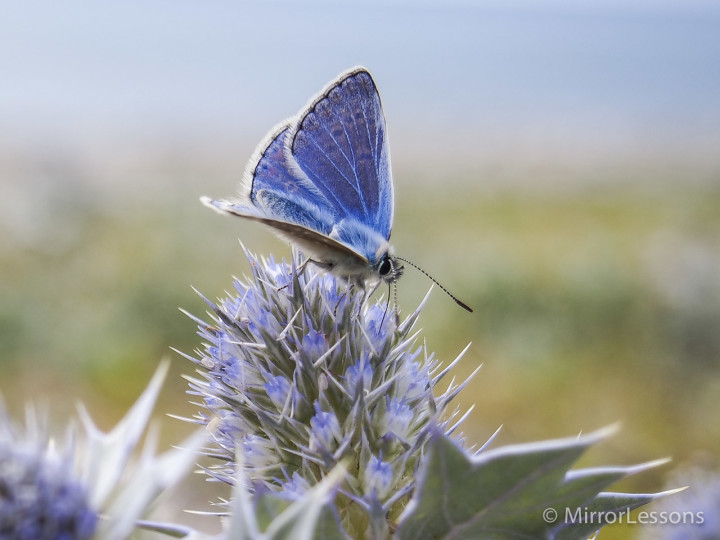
{"x": 557, "y": 166}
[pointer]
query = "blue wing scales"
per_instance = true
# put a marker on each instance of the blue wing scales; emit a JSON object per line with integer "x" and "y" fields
{"x": 340, "y": 144}
{"x": 280, "y": 194}
{"x": 322, "y": 179}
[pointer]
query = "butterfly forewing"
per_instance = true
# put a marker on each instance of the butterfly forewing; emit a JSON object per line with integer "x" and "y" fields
{"x": 271, "y": 172}
{"x": 340, "y": 144}
{"x": 283, "y": 195}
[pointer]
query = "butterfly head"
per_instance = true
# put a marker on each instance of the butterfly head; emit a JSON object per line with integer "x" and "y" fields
{"x": 388, "y": 268}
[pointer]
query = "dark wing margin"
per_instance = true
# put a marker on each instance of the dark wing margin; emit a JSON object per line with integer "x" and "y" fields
{"x": 271, "y": 187}
{"x": 339, "y": 143}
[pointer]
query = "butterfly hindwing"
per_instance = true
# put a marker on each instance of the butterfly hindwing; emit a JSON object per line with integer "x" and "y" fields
{"x": 314, "y": 243}
{"x": 339, "y": 144}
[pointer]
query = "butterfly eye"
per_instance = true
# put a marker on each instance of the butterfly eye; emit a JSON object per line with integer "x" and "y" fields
{"x": 385, "y": 267}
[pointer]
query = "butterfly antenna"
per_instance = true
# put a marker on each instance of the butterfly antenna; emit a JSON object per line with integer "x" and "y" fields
{"x": 436, "y": 282}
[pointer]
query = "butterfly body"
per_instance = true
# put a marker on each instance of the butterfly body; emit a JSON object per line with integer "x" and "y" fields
{"x": 322, "y": 181}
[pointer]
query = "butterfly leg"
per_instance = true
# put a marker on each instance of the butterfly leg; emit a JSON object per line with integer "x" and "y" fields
{"x": 349, "y": 290}
{"x": 322, "y": 265}
{"x": 303, "y": 266}
{"x": 369, "y": 292}
{"x": 340, "y": 299}
{"x": 387, "y": 307}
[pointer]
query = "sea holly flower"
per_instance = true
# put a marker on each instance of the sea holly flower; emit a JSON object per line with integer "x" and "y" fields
{"x": 324, "y": 429}
{"x": 325, "y": 417}
{"x": 83, "y": 488}
{"x": 40, "y": 497}
{"x": 297, "y": 369}
{"x": 378, "y": 476}
{"x": 279, "y": 391}
{"x": 396, "y": 419}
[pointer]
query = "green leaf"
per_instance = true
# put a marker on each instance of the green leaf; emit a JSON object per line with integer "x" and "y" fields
{"x": 512, "y": 492}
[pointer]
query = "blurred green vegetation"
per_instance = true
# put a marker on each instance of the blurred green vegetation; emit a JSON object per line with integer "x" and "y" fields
{"x": 593, "y": 305}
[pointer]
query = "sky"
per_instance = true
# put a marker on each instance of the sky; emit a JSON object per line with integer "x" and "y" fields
{"x": 605, "y": 76}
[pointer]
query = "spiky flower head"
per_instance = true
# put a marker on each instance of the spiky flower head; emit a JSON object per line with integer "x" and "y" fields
{"x": 83, "y": 487}
{"x": 301, "y": 375}
{"x": 40, "y": 497}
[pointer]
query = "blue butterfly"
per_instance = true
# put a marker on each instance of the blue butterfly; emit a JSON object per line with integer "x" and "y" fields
{"x": 322, "y": 181}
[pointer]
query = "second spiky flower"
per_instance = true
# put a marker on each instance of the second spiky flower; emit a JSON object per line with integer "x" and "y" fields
{"x": 300, "y": 376}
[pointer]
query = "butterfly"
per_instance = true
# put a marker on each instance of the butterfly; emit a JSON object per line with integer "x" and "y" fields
{"x": 322, "y": 181}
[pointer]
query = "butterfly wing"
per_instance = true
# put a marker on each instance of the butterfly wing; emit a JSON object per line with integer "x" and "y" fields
{"x": 270, "y": 194}
{"x": 339, "y": 143}
{"x": 270, "y": 188}
{"x": 322, "y": 180}
{"x": 320, "y": 247}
